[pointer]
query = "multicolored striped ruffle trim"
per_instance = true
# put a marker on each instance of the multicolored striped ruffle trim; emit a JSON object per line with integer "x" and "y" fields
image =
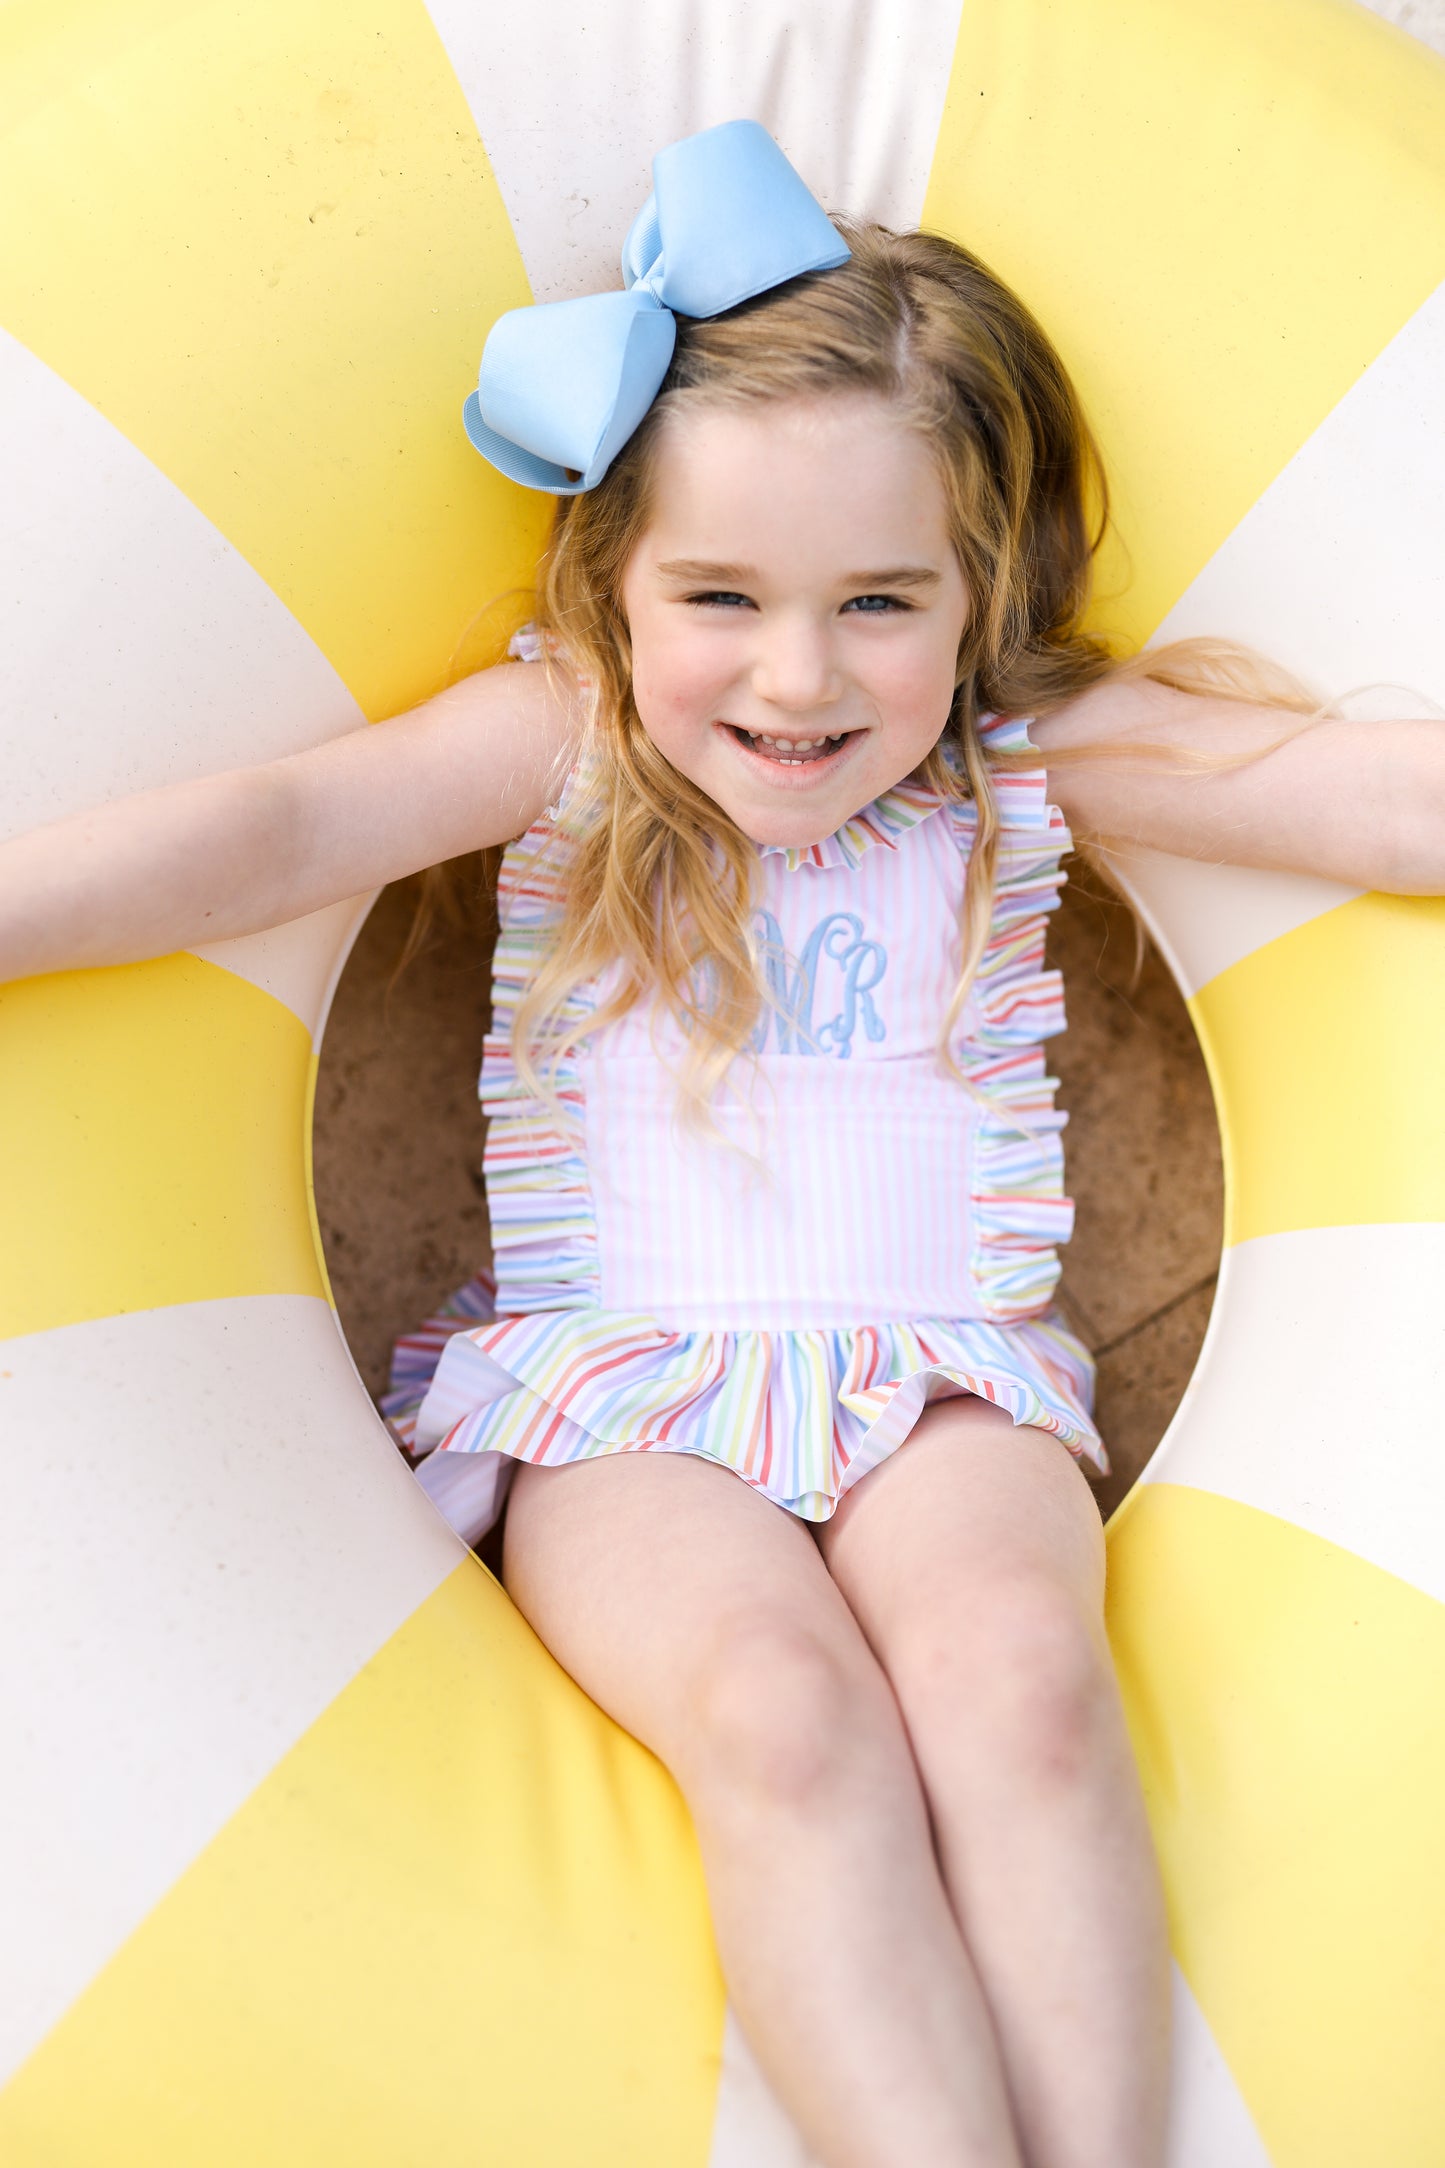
{"x": 544, "y": 1233}
{"x": 415, "y": 1356}
{"x": 801, "y": 1416}
{"x": 1020, "y": 1212}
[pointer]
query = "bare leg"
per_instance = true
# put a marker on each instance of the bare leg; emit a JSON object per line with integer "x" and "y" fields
{"x": 973, "y": 1560}
{"x": 702, "y": 1617}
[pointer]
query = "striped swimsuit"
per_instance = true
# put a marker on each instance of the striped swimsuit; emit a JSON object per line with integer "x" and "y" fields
{"x": 859, "y": 1234}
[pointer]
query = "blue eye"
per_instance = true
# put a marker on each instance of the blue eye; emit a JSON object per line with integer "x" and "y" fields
{"x": 864, "y": 605}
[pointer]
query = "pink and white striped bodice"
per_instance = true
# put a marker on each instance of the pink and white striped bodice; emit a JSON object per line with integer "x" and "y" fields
{"x": 850, "y": 1178}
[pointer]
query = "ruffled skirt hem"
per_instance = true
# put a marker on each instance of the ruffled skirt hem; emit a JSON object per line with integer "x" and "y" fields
{"x": 801, "y": 1416}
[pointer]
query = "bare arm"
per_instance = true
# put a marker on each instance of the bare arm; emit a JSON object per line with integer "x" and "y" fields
{"x": 231, "y": 854}
{"x": 1360, "y": 802}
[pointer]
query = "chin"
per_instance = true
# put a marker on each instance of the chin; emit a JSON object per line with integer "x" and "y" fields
{"x": 789, "y": 828}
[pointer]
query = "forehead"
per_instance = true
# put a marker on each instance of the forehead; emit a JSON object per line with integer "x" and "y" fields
{"x": 805, "y": 474}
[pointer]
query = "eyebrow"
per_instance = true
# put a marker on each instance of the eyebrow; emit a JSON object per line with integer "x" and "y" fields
{"x": 697, "y": 569}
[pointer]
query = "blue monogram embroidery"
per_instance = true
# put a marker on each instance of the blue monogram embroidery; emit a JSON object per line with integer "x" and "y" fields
{"x": 793, "y": 988}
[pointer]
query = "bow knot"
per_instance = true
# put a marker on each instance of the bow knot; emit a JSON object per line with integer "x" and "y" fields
{"x": 564, "y": 384}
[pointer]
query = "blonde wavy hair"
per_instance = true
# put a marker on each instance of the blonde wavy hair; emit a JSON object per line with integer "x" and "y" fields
{"x": 660, "y": 884}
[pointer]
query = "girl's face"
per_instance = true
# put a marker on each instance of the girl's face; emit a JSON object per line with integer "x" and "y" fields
{"x": 795, "y": 608}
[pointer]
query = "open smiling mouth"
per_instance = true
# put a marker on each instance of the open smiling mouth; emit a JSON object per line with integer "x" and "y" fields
{"x": 789, "y": 752}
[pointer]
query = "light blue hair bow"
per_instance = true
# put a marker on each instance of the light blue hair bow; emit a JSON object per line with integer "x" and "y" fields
{"x": 564, "y": 384}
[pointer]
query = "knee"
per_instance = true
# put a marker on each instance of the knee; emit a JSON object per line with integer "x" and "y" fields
{"x": 775, "y": 1717}
{"x": 1018, "y": 1676}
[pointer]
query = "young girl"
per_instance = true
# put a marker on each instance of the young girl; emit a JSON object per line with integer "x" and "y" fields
{"x": 795, "y": 1442}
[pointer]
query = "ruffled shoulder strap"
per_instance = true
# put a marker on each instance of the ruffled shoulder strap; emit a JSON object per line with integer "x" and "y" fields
{"x": 1019, "y": 1209}
{"x": 543, "y": 1226}
{"x": 1022, "y": 793}
{"x": 526, "y": 644}
{"x": 529, "y": 887}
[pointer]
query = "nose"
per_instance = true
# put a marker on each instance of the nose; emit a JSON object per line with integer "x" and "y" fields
{"x": 794, "y": 667}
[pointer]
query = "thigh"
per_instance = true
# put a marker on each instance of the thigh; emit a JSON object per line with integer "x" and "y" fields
{"x": 652, "y": 1576}
{"x": 977, "y": 1541}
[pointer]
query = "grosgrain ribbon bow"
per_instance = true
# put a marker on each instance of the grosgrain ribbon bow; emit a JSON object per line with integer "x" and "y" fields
{"x": 564, "y": 384}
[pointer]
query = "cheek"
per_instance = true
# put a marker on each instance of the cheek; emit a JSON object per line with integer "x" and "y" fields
{"x": 920, "y": 687}
{"x": 673, "y": 680}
